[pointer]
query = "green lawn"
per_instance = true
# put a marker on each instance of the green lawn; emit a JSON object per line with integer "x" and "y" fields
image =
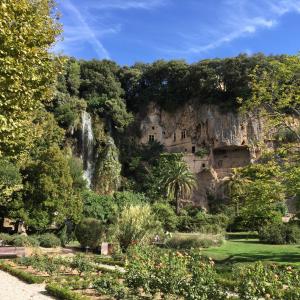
{"x": 241, "y": 248}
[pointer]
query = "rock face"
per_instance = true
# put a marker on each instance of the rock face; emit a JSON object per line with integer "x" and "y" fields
{"x": 213, "y": 142}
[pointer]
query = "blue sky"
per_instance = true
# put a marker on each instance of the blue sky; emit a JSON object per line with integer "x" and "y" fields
{"x": 129, "y": 31}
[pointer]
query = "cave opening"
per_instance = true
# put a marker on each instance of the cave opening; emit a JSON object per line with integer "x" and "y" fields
{"x": 231, "y": 157}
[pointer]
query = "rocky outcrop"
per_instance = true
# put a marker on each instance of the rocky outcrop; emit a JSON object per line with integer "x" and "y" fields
{"x": 213, "y": 142}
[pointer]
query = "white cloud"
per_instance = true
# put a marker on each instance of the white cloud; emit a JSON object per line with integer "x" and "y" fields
{"x": 81, "y": 27}
{"x": 80, "y": 31}
{"x": 282, "y": 7}
{"x": 241, "y": 18}
{"x": 127, "y": 4}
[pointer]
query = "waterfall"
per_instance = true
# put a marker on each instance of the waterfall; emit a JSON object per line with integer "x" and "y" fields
{"x": 87, "y": 147}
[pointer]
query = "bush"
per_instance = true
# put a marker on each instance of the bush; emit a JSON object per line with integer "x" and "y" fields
{"x": 188, "y": 241}
{"x": 101, "y": 207}
{"x": 173, "y": 274}
{"x": 81, "y": 263}
{"x": 280, "y": 234}
{"x": 110, "y": 285}
{"x": 43, "y": 263}
{"x": 26, "y": 277}
{"x": 166, "y": 215}
{"x": 5, "y": 238}
{"x": 136, "y": 224}
{"x": 89, "y": 232}
{"x": 18, "y": 240}
{"x": 126, "y": 198}
{"x": 266, "y": 281}
{"x": 63, "y": 293}
{"x": 199, "y": 221}
{"x": 49, "y": 240}
{"x": 185, "y": 222}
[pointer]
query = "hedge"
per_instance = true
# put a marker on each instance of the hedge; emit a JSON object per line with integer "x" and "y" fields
{"x": 24, "y": 276}
{"x": 63, "y": 293}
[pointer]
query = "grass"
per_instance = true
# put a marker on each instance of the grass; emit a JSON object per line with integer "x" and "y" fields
{"x": 245, "y": 248}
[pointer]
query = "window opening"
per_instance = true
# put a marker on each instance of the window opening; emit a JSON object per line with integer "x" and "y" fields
{"x": 151, "y": 138}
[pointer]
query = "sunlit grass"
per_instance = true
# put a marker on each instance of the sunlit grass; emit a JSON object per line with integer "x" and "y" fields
{"x": 238, "y": 248}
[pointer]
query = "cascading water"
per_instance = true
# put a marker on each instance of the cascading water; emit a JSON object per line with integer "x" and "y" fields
{"x": 87, "y": 147}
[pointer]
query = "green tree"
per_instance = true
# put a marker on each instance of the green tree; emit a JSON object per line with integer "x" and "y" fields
{"x": 10, "y": 181}
{"x": 177, "y": 180}
{"x": 27, "y": 69}
{"x": 49, "y": 197}
{"x": 257, "y": 190}
{"x": 89, "y": 232}
{"x": 73, "y": 77}
{"x": 100, "y": 207}
{"x": 275, "y": 92}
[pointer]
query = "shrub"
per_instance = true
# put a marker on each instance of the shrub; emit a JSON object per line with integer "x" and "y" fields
{"x": 173, "y": 274}
{"x": 280, "y": 234}
{"x": 81, "y": 263}
{"x": 136, "y": 224}
{"x": 185, "y": 222}
{"x": 199, "y": 221}
{"x": 18, "y": 240}
{"x": 188, "y": 241}
{"x": 166, "y": 215}
{"x": 5, "y": 238}
{"x": 101, "y": 207}
{"x": 43, "y": 263}
{"x": 127, "y": 198}
{"x": 49, "y": 240}
{"x": 27, "y": 277}
{"x": 88, "y": 232}
{"x": 266, "y": 281}
{"x": 63, "y": 293}
{"x": 66, "y": 233}
{"x": 110, "y": 285}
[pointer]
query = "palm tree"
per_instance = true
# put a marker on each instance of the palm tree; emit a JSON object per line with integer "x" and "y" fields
{"x": 178, "y": 181}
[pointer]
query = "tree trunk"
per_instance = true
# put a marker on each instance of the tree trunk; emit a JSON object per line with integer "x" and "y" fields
{"x": 177, "y": 205}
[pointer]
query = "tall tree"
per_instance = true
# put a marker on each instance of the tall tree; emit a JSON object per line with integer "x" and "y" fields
{"x": 275, "y": 92}
{"x": 27, "y": 69}
{"x": 49, "y": 194}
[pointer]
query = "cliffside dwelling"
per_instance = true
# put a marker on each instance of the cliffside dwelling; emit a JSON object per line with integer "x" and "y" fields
{"x": 213, "y": 143}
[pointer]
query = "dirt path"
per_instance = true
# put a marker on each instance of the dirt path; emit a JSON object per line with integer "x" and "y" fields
{"x": 11, "y": 288}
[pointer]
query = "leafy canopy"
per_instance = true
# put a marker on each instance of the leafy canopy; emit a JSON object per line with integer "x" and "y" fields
{"x": 27, "y": 69}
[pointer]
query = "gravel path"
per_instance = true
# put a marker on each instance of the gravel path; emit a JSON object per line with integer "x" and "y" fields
{"x": 11, "y": 288}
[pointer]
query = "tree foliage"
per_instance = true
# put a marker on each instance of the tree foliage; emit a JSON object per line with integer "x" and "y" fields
{"x": 257, "y": 192}
{"x": 27, "y": 69}
{"x": 178, "y": 181}
{"x": 10, "y": 181}
{"x": 275, "y": 91}
{"x": 49, "y": 196}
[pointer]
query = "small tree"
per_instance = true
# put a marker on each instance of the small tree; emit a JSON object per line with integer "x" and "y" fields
{"x": 89, "y": 232}
{"x": 177, "y": 179}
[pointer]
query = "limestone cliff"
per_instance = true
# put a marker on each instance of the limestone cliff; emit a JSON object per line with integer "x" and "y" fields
{"x": 213, "y": 142}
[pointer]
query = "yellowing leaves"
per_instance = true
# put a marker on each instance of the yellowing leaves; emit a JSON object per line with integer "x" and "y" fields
{"x": 27, "y": 70}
